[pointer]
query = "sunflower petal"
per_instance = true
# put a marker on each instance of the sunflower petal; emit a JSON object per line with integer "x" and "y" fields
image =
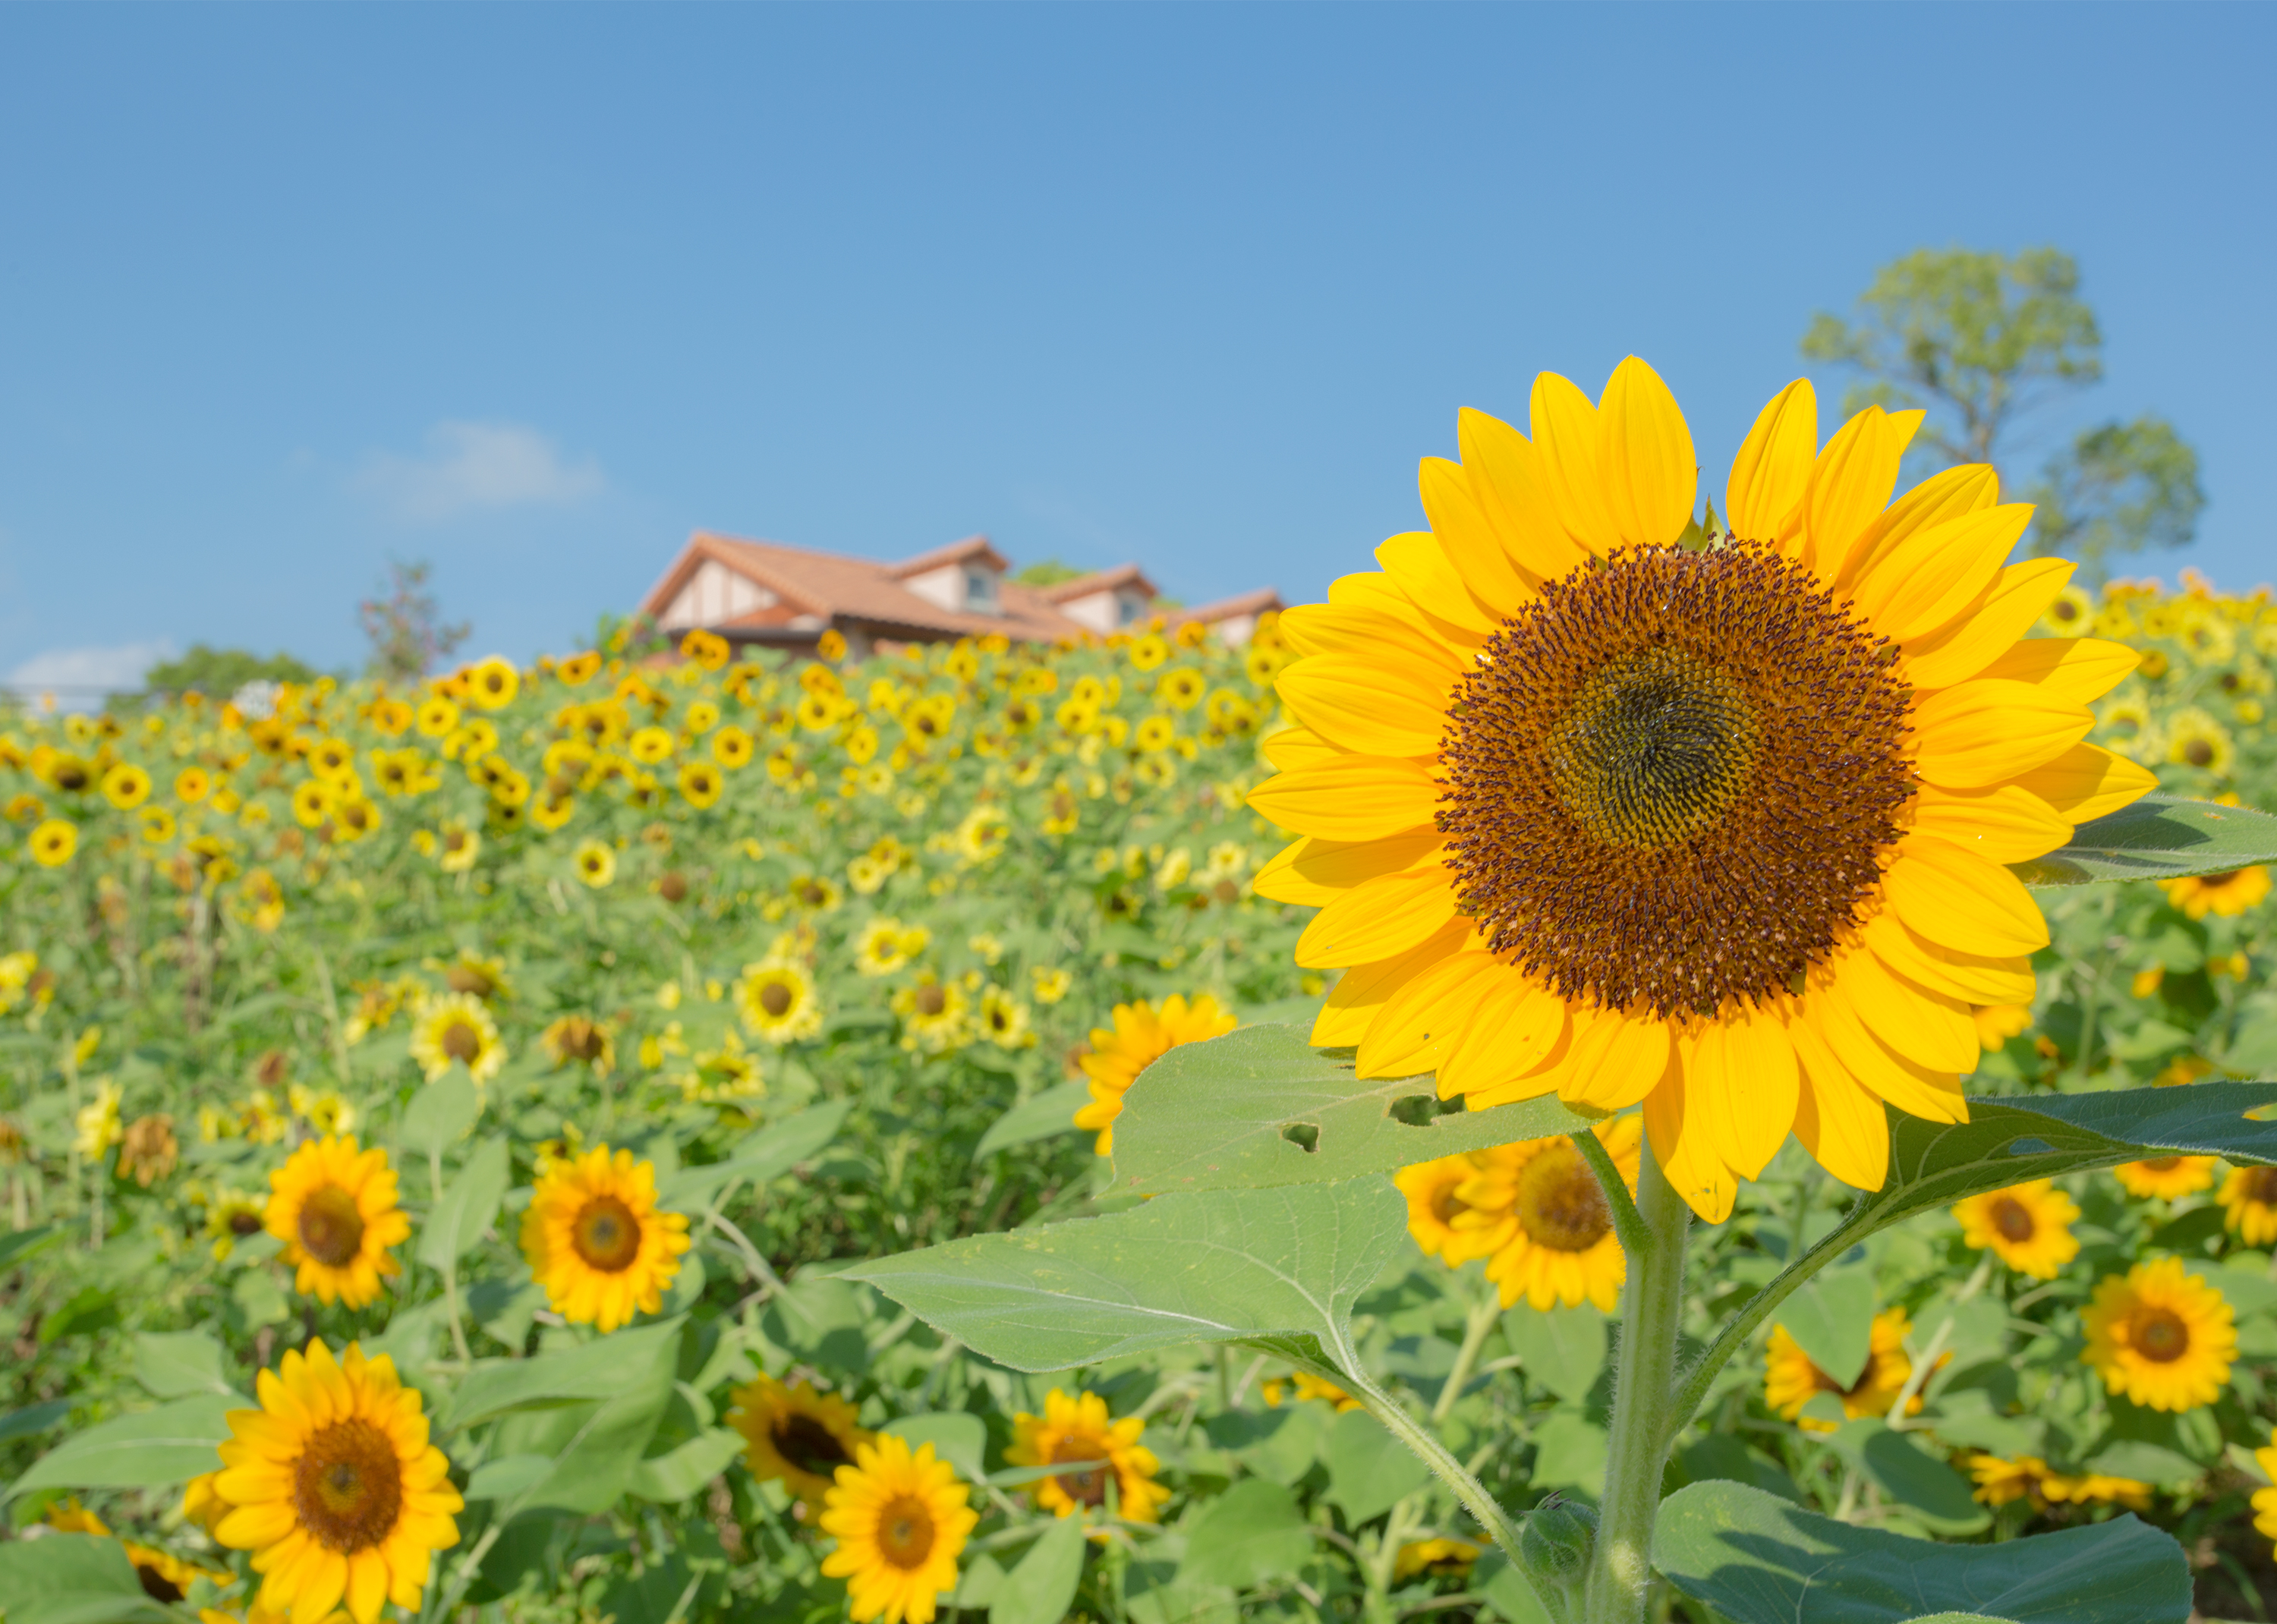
{"x": 1314, "y": 872}
{"x": 1743, "y": 1081}
{"x": 1351, "y": 798}
{"x": 2077, "y": 669}
{"x": 1506, "y": 481}
{"x": 1565, "y": 444}
{"x": 1379, "y": 919}
{"x": 1956, "y": 898}
{"x": 1616, "y": 1059}
{"x": 1931, "y": 1029}
{"x": 1850, "y": 485}
{"x": 1949, "y": 495}
{"x": 1762, "y": 500}
{"x": 2087, "y": 782}
{"x": 1515, "y": 1028}
{"x": 1923, "y": 585}
{"x": 1645, "y": 457}
{"x": 1844, "y": 1127}
{"x": 1360, "y": 992}
{"x": 2003, "y": 824}
{"x": 1418, "y": 566}
{"x": 1372, "y": 709}
{"x": 1679, "y": 1143}
{"x": 1468, "y": 539}
{"x": 1990, "y": 729}
{"x": 1298, "y": 746}
{"x": 1420, "y": 1022}
{"x": 1904, "y": 1083}
{"x": 2018, "y": 596}
{"x": 1369, "y": 632}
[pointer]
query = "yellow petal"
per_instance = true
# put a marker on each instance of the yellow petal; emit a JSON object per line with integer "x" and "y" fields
{"x": 1298, "y": 746}
{"x": 1911, "y": 1087}
{"x": 1949, "y": 495}
{"x": 1956, "y": 898}
{"x": 1468, "y": 540}
{"x": 2002, "y": 825}
{"x": 2086, "y": 782}
{"x": 1849, "y": 486}
{"x": 1645, "y": 457}
{"x": 1565, "y": 447}
{"x": 1360, "y": 992}
{"x": 1379, "y": 919}
{"x": 1762, "y": 500}
{"x": 1987, "y": 729}
{"x": 1845, "y": 1127}
{"x": 1370, "y": 710}
{"x": 1507, "y": 482}
{"x": 1312, "y": 872}
{"x": 1367, "y": 630}
{"x": 1925, "y": 584}
{"x": 1422, "y": 1019}
{"x": 1931, "y": 1029}
{"x": 1420, "y": 567}
{"x": 1743, "y": 1082}
{"x": 1517, "y": 1026}
{"x": 1678, "y": 1140}
{"x": 1617, "y": 1058}
{"x": 1374, "y": 589}
{"x": 1980, "y": 978}
{"x": 2078, "y": 669}
{"x": 2018, "y": 596}
{"x": 367, "y": 1590}
{"x": 1351, "y": 798}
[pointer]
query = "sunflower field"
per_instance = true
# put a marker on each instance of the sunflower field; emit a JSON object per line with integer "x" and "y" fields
{"x": 645, "y": 1137}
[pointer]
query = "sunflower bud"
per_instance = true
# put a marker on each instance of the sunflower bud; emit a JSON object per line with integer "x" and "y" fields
{"x": 1556, "y": 1539}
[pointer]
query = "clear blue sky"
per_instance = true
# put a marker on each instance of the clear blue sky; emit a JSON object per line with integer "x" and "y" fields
{"x": 534, "y": 290}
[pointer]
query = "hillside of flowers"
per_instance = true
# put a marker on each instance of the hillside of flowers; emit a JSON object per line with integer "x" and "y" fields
{"x": 476, "y": 1090}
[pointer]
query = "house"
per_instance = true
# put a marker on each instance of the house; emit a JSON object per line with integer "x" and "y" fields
{"x": 786, "y": 597}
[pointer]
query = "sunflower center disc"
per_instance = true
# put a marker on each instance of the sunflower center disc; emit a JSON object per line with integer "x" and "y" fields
{"x": 2009, "y": 1217}
{"x": 2160, "y": 1164}
{"x": 156, "y": 1585}
{"x": 1559, "y": 1205}
{"x": 905, "y": 1532}
{"x": 2261, "y": 1186}
{"x": 1085, "y": 1487}
{"x": 462, "y": 1042}
{"x": 331, "y": 1227}
{"x": 809, "y": 1446}
{"x": 347, "y": 1486}
{"x": 2161, "y": 1335}
{"x": 1669, "y": 776}
{"x": 932, "y": 1000}
{"x": 606, "y": 1234}
{"x": 774, "y": 998}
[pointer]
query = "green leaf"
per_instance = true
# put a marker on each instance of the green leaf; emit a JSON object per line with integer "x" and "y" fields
{"x": 509, "y": 1476}
{"x": 2158, "y": 837}
{"x": 772, "y": 1151}
{"x": 73, "y": 1579}
{"x": 34, "y": 1419}
{"x": 15, "y": 1247}
{"x": 1832, "y": 1319}
{"x": 597, "y": 1449}
{"x": 171, "y": 1444}
{"x": 1509, "y": 1597}
{"x": 171, "y": 1363}
{"x": 1562, "y": 1349}
{"x": 1369, "y": 1470}
{"x": 495, "y": 1387}
{"x": 1041, "y": 1586}
{"x": 1221, "y": 1115}
{"x": 1570, "y": 1452}
{"x": 671, "y": 1478}
{"x": 1279, "y": 1443}
{"x": 1210, "y": 1266}
{"x": 1250, "y": 1533}
{"x": 440, "y": 1114}
{"x": 1938, "y": 1497}
{"x": 957, "y": 1436}
{"x": 467, "y": 1208}
{"x": 1039, "y": 1116}
{"x": 1757, "y": 1559}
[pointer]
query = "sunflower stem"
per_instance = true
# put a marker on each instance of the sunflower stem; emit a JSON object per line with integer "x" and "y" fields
{"x": 1484, "y": 1313}
{"x": 1468, "y": 1490}
{"x": 1628, "y": 1226}
{"x": 1652, "y": 1304}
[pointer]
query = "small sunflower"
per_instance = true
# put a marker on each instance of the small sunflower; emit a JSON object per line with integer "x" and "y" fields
{"x": 2070, "y": 614}
{"x": 1791, "y": 1380}
{"x": 900, "y": 1519}
{"x": 165, "y": 1577}
{"x": 596, "y": 864}
{"x": 126, "y": 786}
{"x": 590, "y": 1042}
{"x": 1141, "y": 1036}
{"x": 700, "y": 784}
{"x": 2195, "y": 739}
{"x": 457, "y": 1026}
{"x": 2027, "y": 1225}
{"x": 885, "y": 945}
{"x": 2160, "y": 1337}
{"x": 1301, "y": 1385}
{"x": 595, "y": 1240}
{"x": 1557, "y": 1246}
{"x": 777, "y": 1000}
{"x": 649, "y": 745}
{"x": 731, "y": 747}
{"x": 53, "y": 842}
{"x": 1997, "y": 1023}
{"x": 792, "y": 1433}
{"x": 2228, "y": 894}
{"x": 333, "y": 1487}
{"x": 1049, "y": 985}
{"x": 815, "y": 893}
{"x": 1434, "y": 1559}
{"x": 2166, "y": 1178}
{"x": 456, "y": 849}
{"x": 934, "y": 1014}
{"x": 2265, "y": 1500}
{"x": 1079, "y": 1430}
{"x": 1182, "y": 687}
{"x": 1434, "y": 1202}
{"x": 1004, "y": 1020}
{"x": 2249, "y": 1199}
{"x": 493, "y": 684}
{"x": 193, "y": 784}
{"x": 578, "y": 668}
{"x": 335, "y": 1211}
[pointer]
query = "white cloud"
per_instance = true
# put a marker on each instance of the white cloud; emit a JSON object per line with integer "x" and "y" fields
{"x": 471, "y": 467}
{"x": 79, "y": 678}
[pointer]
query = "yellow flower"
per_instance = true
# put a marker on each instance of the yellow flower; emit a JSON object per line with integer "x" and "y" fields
{"x": 700, "y": 783}
{"x": 1156, "y": 733}
{"x": 777, "y": 1000}
{"x": 595, "y": 1240}
{"x": 456, "y": 849}
{"x": 2027, "y": 1225}
{"x": 1553, "y": 1233}
{"x": 1790, "y": 1381}
{"x": 126, "y": 786}
{"x": 731, "y": 747}
{"x": 2166, "y": 1178}
{"x": 934, "y": 1014}
{"x": 1048, "y": 986}
{"x": 2195, "y": 739}
{"x": 1079, "y": 1431}
{"x": 2249, "y": 1197}
{"x": 900, "y": 1519}
{"x": 1141, "y": 1036}
{"x": 97, "y": 1122}
{"x": 708, "y": 650}
{"x": 2070, "y": 613}
{"x": 1433, "y": 1556}
{"x": 1181, "y": 688}
{"x": 193, "y": 784}
{"x": 1435, "y": 1202}
{"x": 332, "y": 1485}
{"x": 590, "y": 1042}
{"x": 578, "y": 668}
{"x": 158, "y": 825}
{"x": 885, "y": 945}
{"x": 2228, "y": 894}
{"x": 457, "y": 1026}
{"x": 333, "y": 759}
{"x": 649, "y": 745}
{"x": 165, "y": 1577}
{"x": 1541, "y": 882}
{"x": 596, "y": 864}
{"x": 1305, "y": 1385}
{"x": 493, "y": 684}
{"x": 1997, "y": 1023}
{"x": 2265, "y": 1500}
{"x": 2159, "y": 1337}
{"x": 815, "y": 893}
{"x": 335, "y": 1211}
{"x": 53, "y": 842}
{"x": 1004, "y": 1020}
{"x": 795, "y": 1434}
{"x": 1148, "y": 651}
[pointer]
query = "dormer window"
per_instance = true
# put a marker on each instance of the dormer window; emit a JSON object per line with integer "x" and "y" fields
{"x": 980, "y": 590}
{"x": 1128, "y": 607}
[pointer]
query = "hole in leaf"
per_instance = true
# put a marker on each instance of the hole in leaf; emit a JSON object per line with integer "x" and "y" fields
{"x": 2029, "y": 1147}
{"x": 1422, "y": 1109}
{"x": 1305, "y": 1135}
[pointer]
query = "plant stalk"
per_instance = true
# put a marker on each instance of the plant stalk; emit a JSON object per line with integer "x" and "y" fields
{"x": 1652, "y": 1303}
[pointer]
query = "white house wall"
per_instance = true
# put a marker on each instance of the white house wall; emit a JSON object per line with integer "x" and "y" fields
{"x": 714, "y": 595}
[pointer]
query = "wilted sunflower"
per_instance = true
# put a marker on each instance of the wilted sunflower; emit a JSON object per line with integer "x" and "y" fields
{"x": 456, "y": 1027}
{"x": 597, "y": 1242}
{"x": 1141, "y": 1036}
{"x": 792, "y": 1433}
{"x": 2166, "y": 1178}
{"x": 900, "y": 1519}
{"x": 2227, "y": 894}
{"x": 1791, "y": 1380}
{"x": 1541, "y": 757}
{"x": 2027, "y": 1225}
{"x": 1077, "y": 1430}
{"x": 335, "y": 1211}
{"x": 2160, "y": 1337}
{"x": 1555, "y": 1246}
{"x": 332, "y": 1485}
{"x": 777, "y": 1000}
{"x": 2249, "y": 1199}
{"x": 581, "y": 1038}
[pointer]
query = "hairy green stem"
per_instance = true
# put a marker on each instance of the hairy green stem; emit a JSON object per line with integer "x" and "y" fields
{"x": 1652, "y": 1303}
{"x": 1628, "y": 1227}
{"x": 1468, "y": 1490}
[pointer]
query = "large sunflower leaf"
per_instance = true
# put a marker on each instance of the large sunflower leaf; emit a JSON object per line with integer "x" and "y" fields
{"x": 171, "y": 1444}
{"x": 1757, "y": 1558}
{"x": 1260, "y": 1107}
{"x": 1281, "y": 1265}
{"x": 2158, "y": 838}
{"x": 773, "y": 1149}
{"x": 595, "y": 1369}
{"x": 75, "y": 1579}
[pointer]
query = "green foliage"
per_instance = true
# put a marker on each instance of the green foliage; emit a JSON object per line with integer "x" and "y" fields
{"x": 1049, "y": 572}
{"x": 75, "y": 1579}
{"x": 2120, "y": 487}
{"x": 2159, "y": 837}
{"x": 217, "y": 673}
{"x": 168, "y": 1445}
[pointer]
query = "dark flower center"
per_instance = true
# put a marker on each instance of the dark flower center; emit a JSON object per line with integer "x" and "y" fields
{"x": 905, "y": 1532}
{"x": 1085, "y": 1488}
{"x": 807, "y": 1445}
{"x": 606, "y": 1234}
{"x": 462, "y": 1042}
{"x": 347, "y": 1486}
{"x": 2014, "y": 1220}
{"x": 775, "y": 998}
{"x": 330, "y": 1226}
{"x": 2160, "y": 1335}
{"x": 1559, "y": 1205}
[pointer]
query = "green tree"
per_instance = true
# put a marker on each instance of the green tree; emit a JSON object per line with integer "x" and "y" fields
{"x": 217, "y": 673}
{"x": 1979, "y": 341}
{"x": 1049, "y": 572}
{"x": 406, "y": 627}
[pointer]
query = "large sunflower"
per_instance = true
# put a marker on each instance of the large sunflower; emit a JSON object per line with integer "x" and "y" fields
{"x": 1791, "y": 1380}
{"x": 1597, "y": 803}
{"x": 595, "y": 1240}
{"x": 1553, "y": 1240}
{"x": 332, "y": 1485}
{"x": 900, "y": 1519}
{"x": 335, "y": 1211}
{"x": 1077, "y": 1430}
{"x": 2160, "y": 1337}
{"x": 1142, "y": 1035}
{"x": 795, "y": 1433}
{"x": 2027, "y": 1225}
